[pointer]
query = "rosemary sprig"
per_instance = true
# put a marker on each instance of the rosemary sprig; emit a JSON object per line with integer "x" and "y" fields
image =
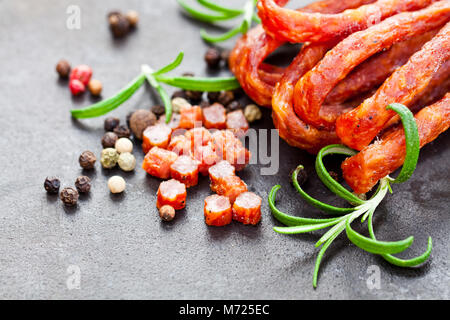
{"x": 221, "y": 14}
{"x": 155, "y": 78}
{"x": 362, "y": 208}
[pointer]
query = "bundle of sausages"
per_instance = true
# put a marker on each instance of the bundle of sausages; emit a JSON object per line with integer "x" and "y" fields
{"x": 357, "y": 57}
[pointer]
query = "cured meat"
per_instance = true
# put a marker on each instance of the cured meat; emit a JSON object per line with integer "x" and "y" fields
{"x": 220, "y": 170}
{"x": 312, "y": 89}
{"x": 358, "y": 127}
{"x": 172, "y": 193}
{"x": 190, "y": 117}
{"x": 363, "y": 170}
{"x": 230, "y": 148}
{"x": 217, "y": 210}
{"x": 157, "y": 162}
{"x": 199, "y": 137}
{"x": 206, "y": 157}
{"x": 229, "y": 186}
{"x": 247, "y": 208}
{"x": 180, "y": 145}
{"x": 237, "y": 123}
{"x": 185, "y": 170}
{"x": 298, "y": 26}
{"x": 174, "y": 122}
{"x": 214, "y": 117}
{"x": 157, "y": 135}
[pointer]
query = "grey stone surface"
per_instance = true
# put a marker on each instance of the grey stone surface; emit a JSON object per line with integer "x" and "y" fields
{"x": 122, "y": 248}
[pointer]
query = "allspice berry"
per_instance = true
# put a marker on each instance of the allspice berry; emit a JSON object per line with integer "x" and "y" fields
{"x": 95, "y": 87}
{"x": 167, "y": 213}
{"x": 212, "y": 58}
{"x": 63, "y": 68}
{"x": 87, "y": 160}
{"x": 51, "y": 185}
{"x": 83, "y": 184}
{"x": 158, "y": 110}
{"x": 69, "y": 196}
{"x": 109, "y": 158}
{"x": 133, "y": 18}
{"x": 109, "y": 140}
{"x": 110, "y": 123}
{"x": 140, "y": 120}
{"x": 118, "y": 24}
{"x": 122, "y": 131}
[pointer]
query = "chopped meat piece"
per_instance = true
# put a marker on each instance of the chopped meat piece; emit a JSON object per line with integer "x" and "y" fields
{"x": 180, "y": 145}
{"x": 220, "y": 170}
{"x": 206, "y": 156}
{"x": 214, "y": 117}
{"x": 231, "y": 187}
{"x": 157, "y": 135}
{"x": 247, "y": 208}
{"x": 185, "y": 170}
{"x": 199, "y": 136}
{"x": 157, "y": 162}
{"x": 190, "y": 117}
{"x": 174, "y": 122}
{"x": 172, "y": 193}
{"x": 237, "y": 122}
{"x": 217, "y": 210}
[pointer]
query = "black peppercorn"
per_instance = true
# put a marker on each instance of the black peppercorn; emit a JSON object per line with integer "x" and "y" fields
{"x": 158, "y": 110}
{"x": 69, "y": 196}
{"x": 122, "y": 131}
{"x": 51, "y": 185}
{"x": 111, "y": 123}
{"x": 194, "y": 96}
{"x": 179, "y": 94}
{"x": 63, "y": 68}
{"x": 234, "y": 105}
{"x": 225, "y": 97}
{"x": 83, "y": 184}
{"x": 118, "y": 24}
{"x": 225, "y": 56}
{"x": 109, "y": 140}
{"x": 213, "y": 96}
{"x": 87, "y": 160}
{"x": 212, "y": 58}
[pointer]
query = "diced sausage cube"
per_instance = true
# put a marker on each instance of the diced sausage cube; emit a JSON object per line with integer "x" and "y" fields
{"x": 206, "y": 156}
{"x": 156, "y": 136}
{"x": 157, "y": 162}
{"x": 199, "y": 136}
{"x": 172, "y": 193}
{"x": 247, "y": 208}
{"x": 185, "y": 170}
{"x": 221, "y": 139}
{"x": 180, "y": 145}
{"x": 214, "y": 117}
{"x": 220, "y": 170}
{"x": 190, "y": 117}
{"x": 230, "y": 148}
{"x": 237, "y": 122}
{"x": 231, "y": 187}
{"x": 174, "y": 122}
{"x": 217, "y": 210}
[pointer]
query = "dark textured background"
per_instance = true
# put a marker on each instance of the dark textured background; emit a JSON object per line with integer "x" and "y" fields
{"x": 119, "y": 242}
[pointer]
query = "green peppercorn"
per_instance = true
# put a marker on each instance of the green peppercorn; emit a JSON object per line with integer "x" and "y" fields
{"x": 109, "y": 158}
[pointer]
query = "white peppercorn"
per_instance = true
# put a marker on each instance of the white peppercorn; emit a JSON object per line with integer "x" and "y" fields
{"x": 178, "y": 103}
{"x": 123, "y": 145}
{"x": 252, "y": 113}
{"x": 127, "y": 162}
{"x": 109, "y": 158}
{"x": 116, "y": 184}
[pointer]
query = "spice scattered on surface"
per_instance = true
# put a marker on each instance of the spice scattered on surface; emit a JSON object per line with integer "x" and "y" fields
{"x": 69, "y": 196}
{"x": 225, "y": 97}
{"x": 95, "y": 87}
{"x": 252, "y": 113}
{"x": 124, "y": 145}
{"x": 178, "y": 103}
{"x": 109, "y": 140}
{"x": 194, "y": 96}
{"x": 225, "y": 56}
{"x": 212, "y": 58}
{"x": 234, "y": 105}
{"x": 82, "y": 73}
{"x": 213, "y": 96}
{"x": 83, "y": 184}
{"x": 111, "y": 123}
{"x": 76, "y": 87}
{"x": 52, "y": 185}
{"x": 158, "y": 109}
{"x": 126, "y": 161}
{"x": 140, "y": 120}
{"x": 87, "y": 160}
{"x": 167, "y": 213}
{"x": 63, "y": 68}
{"x": 132, "y": 17}
{"x": 179, "y": 94}
{"x": 116, "y": 184}
{"x": 109, "y": 158}
{"x": 118, "y": 24}
{"x": 122, "y": 131}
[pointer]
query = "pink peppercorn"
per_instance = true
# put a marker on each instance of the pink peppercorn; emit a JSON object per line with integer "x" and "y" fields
{"x": 82, "y": 73}
{"x": 76, "y": 87}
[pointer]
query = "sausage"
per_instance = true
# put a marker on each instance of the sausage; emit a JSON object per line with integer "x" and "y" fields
{"x": 298, "y": 26}
{"x": 229, "y": 186}
{"x": 363, "y": 170}
{"x": 180, "y": 145}
{"x": 217, "y": 210}
{"x": 220, "y": 170}
{"x": 174, "y": 122}
{"x": 185, "y": 170}
{"x": 237, "y": 123}
{"x": 199, "y": 136}
{"x": 229, "y": 148}
{"x": 206, "y": 157}
{"x": 214, "y": 116}
{"x": 157, "y": 135}
{"x": 157, "y": 162}
{"x": 358, "y": 127}
{"x": 190, "y": 117}
{"x": 172, "y": 193}
{"x": 312, "y": 89}
{"x": 247, "y": 208}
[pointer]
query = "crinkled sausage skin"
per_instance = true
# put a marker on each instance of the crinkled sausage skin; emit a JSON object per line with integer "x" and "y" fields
{"x": 312, "y": 89}
{"x": 358, "y": 127}
{"x": 363, "y": 170}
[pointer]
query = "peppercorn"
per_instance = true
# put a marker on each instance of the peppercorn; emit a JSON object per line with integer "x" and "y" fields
{"x": 123, "y": 145}
{"x": 87, "y": 160}
{"x": 122, "y": 131}
{"x": 179, "y": 103}
{"x": 116, "y": 184}
{"x": 158, "y": 110}
{"x": 95, "y": 87}
{"x": 213, "y": 96}
{"x": 118, "y": 24}
{"x": 252, "y": 113}
{"x": 178, "y": 94}
{"x": 111, "y": 123}
{"x": 225, "y": 97}
{"x": 109, "y": 140}
{"x": 82, "y": 73}
{"x": 52, "y": 185}
{"x": 234, "y": 105}
{"x": 83, "y": 184}
{"x": 133, "y": 18}
{"x": 204, "y": 104}
{"x": 63, "y": 68}
{"x": 76, "y": 87}
{"x": 212, "y": 58}
{"x": 109, "y": 158}
{"x": 127, "y": 162}
{"x": 225, "y": 56}
{"x": 167, "y": 213}
{"x": 69, "y": 196}
{"x": 140, "y": 120}
{"x": 194, "y": 96}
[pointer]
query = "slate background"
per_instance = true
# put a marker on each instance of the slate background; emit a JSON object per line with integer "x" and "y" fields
{"x": 118, "y": 242}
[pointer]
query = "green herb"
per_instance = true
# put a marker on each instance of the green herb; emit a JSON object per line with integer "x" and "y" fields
{"x": 220, "y": 14}
{"x": 155, "y": 78}
{"x": 363, "y": 209}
